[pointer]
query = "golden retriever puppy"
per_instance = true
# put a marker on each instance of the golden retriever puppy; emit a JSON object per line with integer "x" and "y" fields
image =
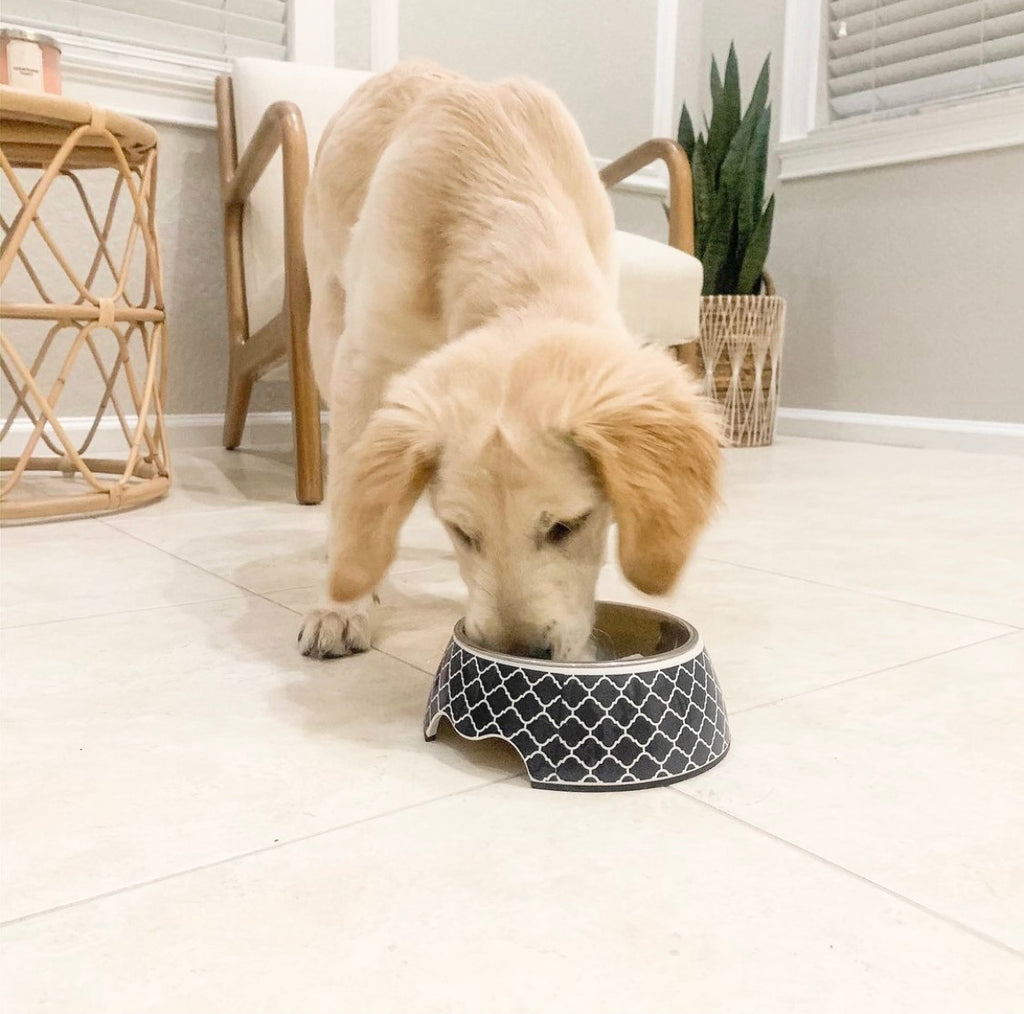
{"x": 465, "y": 335}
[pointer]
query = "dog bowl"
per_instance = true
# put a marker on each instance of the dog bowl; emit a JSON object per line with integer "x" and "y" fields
{"x": 650, "y": 714}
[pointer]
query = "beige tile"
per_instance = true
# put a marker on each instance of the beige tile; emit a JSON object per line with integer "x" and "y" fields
{"x": 139, "y": 745}
{"x": 211, "y": 478}
{"x": 261, "y": 548}
{"x": 68, "y": 569}
{"x": 510, "y": 899}
{"x": 938, "y": 528}
{"x": 911, "y": 778}
{"x": 770, "y": 637}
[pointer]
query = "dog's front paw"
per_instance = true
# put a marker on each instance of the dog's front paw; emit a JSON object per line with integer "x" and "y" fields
{"x": 333, "y": 633}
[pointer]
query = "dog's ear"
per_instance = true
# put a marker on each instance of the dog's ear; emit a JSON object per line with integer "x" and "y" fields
{"x": 386, "y": 471}
{"x": 655, "y": 444}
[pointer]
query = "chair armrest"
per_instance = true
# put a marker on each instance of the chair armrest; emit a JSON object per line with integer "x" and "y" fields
{"x": 680, "y": 184}
{"x": 281, "y": 127}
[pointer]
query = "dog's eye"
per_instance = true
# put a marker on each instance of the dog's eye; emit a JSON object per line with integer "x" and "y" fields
{"x": 463, "y": 538}
{"x": 561, "y": 530}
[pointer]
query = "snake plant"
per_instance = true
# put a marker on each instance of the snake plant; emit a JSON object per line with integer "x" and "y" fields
{"x": 729, "y": 161}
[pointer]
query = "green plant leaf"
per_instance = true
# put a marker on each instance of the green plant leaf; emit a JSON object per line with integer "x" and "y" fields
{"x": 755, "y": 165}
{"x": 759, "y": 96}
{"x": 732, "y": 71}
{"x": 716, "y": 83}
{"x": 739, "y": 144}
{"x": 719, "y": 240}
{"x": 730, "y": 270}
{"x": 725, "y": 113}
{"x": 685, "y": 132}
{"x": 703, "y": 196}
{"x": 757, "y": 251}
{"x": 731, "y": 172}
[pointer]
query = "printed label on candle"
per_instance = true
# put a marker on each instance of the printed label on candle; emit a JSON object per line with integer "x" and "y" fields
{"x": 25, "y": 64}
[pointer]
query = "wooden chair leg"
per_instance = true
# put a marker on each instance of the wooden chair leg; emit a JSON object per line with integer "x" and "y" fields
{"x": 236, "y": 407}
{"x": 309, "y": 476}
{"x": 687, "y": 355}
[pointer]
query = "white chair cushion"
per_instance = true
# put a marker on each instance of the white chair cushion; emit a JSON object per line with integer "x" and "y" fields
{"x": 659, "y": 290}
{"x": 659, "y": 286}
{"x": 319, "y": 92}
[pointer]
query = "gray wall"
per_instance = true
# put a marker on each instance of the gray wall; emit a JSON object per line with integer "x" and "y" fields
{"x": 597, "y": 54}
{"x": 904, "y": 288}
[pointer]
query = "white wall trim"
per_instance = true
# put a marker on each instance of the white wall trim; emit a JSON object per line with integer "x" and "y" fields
{"x": 183, "y": 430}
{"x": 383, "y": 35}
{"x": 689, "y": 50}
{"x": 663, "y": 116}
{"x": 807, "y": 149}
{"x": 801, "y": 52}
{"x": 311, "y": 32}
{"x": 903, "y": 430}
{"x": 982, "y": 124}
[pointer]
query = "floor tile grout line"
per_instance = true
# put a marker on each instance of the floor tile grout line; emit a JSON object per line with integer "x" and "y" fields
{"x": 139, "y": 513}
{"x": 225, "y": 860}
{"x": 860, "y": 591}
{"x": 373, "y": 647}
{"x": 249, "y": 591}
{"x": 874, "y": 672}
{"x": 189, "y": 563}
{"x": 831, "y": 864}
{"x": 126, "y": 611}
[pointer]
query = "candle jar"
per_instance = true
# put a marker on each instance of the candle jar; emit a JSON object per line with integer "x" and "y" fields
{"x": 29, "y": 61}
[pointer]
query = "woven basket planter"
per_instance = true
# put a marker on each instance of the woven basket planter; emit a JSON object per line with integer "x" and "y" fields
{"x": 739, "y": 356}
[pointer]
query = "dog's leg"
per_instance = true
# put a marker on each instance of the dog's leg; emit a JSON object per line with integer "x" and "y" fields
{"x": 338, "y": 628}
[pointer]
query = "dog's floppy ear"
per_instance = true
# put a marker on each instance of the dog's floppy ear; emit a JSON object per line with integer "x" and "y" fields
{"x": 387, "y": 470}
{"x": 655, "y": 444}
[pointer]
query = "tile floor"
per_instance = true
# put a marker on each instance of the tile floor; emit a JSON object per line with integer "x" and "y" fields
{"x": 195, "y": 818}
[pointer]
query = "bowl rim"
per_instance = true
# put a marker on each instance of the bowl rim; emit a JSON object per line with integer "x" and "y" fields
{"x": 690, "y": 649}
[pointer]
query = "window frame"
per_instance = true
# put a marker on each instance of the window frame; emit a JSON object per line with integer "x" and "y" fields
{"x": 810, "y": 146}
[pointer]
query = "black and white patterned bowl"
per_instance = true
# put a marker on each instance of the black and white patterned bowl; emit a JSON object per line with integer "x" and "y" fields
{"x": 592, "y": 726}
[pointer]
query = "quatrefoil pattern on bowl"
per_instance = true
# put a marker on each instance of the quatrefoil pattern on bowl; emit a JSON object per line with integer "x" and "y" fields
{"x": 621, "y": 728}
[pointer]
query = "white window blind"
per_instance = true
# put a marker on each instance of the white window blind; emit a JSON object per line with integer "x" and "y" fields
{"x": 887, "y": 57}
{"x": 205, "y": 28}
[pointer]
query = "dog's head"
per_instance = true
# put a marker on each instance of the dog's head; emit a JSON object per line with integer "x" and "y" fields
{"x": 530, "y": 442}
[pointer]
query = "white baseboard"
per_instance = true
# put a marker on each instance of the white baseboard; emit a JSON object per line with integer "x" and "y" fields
{"x": 262, "y": 429}
{"x": 903, "y": 430}
{"x": 265, "y": 429}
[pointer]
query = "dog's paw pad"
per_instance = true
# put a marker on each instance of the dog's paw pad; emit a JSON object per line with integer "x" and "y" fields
{"x": 326, "y": 633}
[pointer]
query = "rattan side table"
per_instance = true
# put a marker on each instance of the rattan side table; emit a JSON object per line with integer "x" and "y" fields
{"x": 109, "y": 330}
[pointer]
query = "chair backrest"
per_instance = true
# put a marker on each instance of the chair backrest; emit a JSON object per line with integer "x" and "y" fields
{"x": 256, "y": 84}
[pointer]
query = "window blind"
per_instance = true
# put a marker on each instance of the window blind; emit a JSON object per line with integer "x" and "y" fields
{"x": 887, "y": 57}
{"x": 206, "y": 28}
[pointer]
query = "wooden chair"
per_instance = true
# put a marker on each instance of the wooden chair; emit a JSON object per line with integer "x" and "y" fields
{"x": 275, "y": 113}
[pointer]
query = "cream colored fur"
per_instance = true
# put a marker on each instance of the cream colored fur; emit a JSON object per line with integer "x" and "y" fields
{"x": 465, "y": 336}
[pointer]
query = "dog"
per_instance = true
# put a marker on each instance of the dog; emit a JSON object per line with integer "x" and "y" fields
{"x": 465, "y": 336}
